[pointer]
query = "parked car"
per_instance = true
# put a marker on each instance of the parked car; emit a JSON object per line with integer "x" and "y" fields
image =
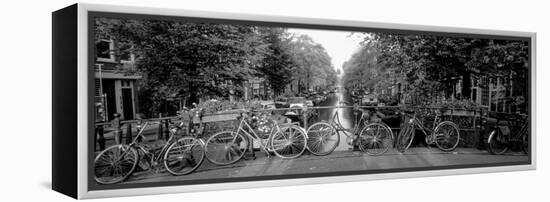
{"x": 369, "y": 100}
{"x": 281, "y": 102}
{"x": 296, "y": 102}
{"x": 268, "y": 104}
{"x": 309, "y": 103}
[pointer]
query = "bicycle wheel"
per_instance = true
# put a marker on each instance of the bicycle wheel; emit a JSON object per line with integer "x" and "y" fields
{"x": 115, "y": 164}
{"x": 375, "y": 138}
{"x": 289, "y": 143}
{"x": 524, "y": 134}
{"x": 498, "y": 143}
{"x": 322, "y": 138}
{"x": 225, "y": 147}
{"x": 184, "y": 156}
{"x": 405, "y": 137}
{"x": 447, "y": 136}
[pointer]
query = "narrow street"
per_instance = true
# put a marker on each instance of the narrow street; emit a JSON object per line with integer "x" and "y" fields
{"x": 342, "y": 159}
{"x": 335, "y": 162}
{"x": 283, "y": 71}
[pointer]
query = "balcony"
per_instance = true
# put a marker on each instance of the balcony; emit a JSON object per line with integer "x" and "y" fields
{"x": 123, "y": 70}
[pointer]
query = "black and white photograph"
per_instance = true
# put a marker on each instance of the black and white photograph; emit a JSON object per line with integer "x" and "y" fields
{"x": 246, "y": 100}
{"x": 191, "y": 100}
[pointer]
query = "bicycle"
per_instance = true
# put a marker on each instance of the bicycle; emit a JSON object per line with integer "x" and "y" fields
{"x": 374, "y": 138}
{"x": 501, "y": 140}
{"x": 287, "y": 141}
{"x": 444, "y": 134}
{"x": 178, "y": 156}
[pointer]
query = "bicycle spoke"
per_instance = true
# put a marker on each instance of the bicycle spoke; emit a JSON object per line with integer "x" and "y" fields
{"x": 292, "y": 133}
{"x": 104, "y": 159}
{"x": 322, "y": 139}
{"x": 182, "y": 158}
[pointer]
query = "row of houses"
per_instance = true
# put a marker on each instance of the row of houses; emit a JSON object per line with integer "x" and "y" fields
{"x": 498, "y": 93}
{"x": 115, "y": 83}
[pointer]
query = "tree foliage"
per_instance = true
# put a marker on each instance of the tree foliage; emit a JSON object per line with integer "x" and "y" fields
{"x": 188, "y": 60}
{"x": 430, "y": 65}
{"x": 315, "y": 66}
{"x": 179, "y": 59}
{"x": 277, "y": 66}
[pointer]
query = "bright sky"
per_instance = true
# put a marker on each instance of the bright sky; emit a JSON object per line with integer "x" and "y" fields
{"x": 340, "y": 45}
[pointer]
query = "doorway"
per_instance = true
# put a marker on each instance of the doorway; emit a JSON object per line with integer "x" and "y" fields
{"x": 127, "y": 104}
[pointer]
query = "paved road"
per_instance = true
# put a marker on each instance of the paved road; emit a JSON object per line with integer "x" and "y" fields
{"x": 343, "y": 159}
{"x": 338, "y": 161}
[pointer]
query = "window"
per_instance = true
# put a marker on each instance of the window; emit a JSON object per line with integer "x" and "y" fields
{"x": 104, "y": 51}
{"x": 126, "y": 55}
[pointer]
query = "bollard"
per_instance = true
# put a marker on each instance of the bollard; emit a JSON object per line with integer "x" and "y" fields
{"x": 481, "y": 131}
{"x": 304, "y": 113}
{"x": 166, "y": 129}
{"x": 101, "y": 137}
{"x": 251, "y": 154}
{"x": 139, "y": 124}
{"x": 115, "y": 123}
{"x": 160, "y": 130}
{"x": 129, "y": 133}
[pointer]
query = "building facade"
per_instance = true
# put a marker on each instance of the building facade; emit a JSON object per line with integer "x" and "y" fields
{"x": 115, "y": 83}
{"x": 498, "y": 93}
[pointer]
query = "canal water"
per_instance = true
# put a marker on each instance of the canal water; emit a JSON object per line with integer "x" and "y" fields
{"x": 345, "y": 116}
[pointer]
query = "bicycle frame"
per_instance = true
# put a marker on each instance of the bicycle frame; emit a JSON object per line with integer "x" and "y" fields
{"x": 253, "y": 136}
{"x": 153, "y": 159}
{"x": 335, "y": 121}
{"x": 516, "y": 135}
{"x": 156, "y": 155}
{"x": 428, "y": 132}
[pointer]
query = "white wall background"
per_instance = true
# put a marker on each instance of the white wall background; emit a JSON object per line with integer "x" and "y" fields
{"x": 25, "y": 89}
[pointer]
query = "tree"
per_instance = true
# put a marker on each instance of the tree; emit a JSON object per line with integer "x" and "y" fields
{"x": 314, "y": 66}
{"x": 277, "y": 65}
{"x": 430, "y": 66}
{"x": 361, "y": 70}
{"x": 187, "y": 59}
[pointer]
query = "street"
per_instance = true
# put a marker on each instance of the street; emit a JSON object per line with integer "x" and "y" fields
{"x": 342, "y": 159}
{"x": 335, "y": 162}
{"x": 305, "y": 75}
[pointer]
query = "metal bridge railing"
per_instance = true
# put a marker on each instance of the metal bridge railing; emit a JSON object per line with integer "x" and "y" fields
{"x": 470, "y": 120}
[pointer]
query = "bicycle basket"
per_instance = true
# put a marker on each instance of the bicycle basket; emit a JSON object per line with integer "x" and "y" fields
{"x": 263, "y": 128}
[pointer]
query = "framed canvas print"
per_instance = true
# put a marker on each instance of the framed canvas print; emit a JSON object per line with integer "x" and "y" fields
{"x": 149, "y": 101}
